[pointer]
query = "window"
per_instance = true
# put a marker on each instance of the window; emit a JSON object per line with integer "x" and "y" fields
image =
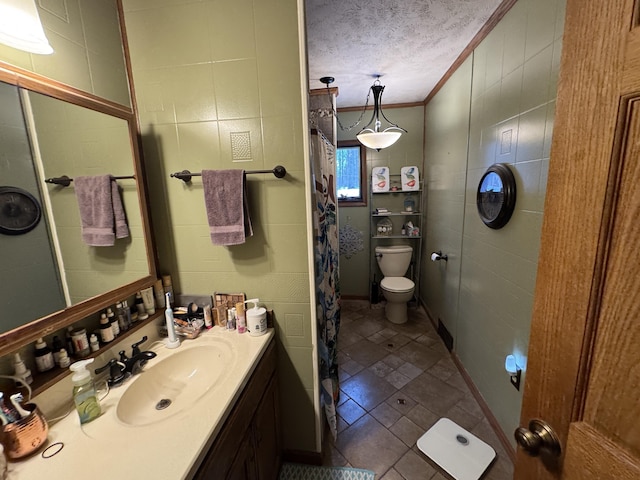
{"x": 351, "y": 165}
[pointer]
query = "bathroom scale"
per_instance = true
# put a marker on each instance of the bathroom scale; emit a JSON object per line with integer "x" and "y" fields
{"x": 458, "y": 452}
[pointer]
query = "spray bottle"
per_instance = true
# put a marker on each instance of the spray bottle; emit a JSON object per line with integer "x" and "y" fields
{"x": 173, "y": 341}
{"x": 84, "y": 392}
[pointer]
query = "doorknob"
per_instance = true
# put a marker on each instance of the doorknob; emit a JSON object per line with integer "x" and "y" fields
{"x": 539, "y": 436}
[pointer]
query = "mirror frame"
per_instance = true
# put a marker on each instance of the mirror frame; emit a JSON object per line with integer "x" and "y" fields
{"x": 21, "y": 78}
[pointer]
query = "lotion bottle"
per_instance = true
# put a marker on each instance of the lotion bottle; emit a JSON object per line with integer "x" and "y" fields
{"x": 84, "y": 392}
{"x": 20, "y": 370}
{"x": 106, "y": 332}
{"x": 43, "y": 356}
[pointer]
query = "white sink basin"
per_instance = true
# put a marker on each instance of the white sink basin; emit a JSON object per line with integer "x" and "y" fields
{"x": 174, "y": 384}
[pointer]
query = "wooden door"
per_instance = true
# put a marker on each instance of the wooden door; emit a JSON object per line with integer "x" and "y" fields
{"x": 583, "y": 373}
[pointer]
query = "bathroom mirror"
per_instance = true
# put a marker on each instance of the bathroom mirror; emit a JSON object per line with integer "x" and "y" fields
{"x": 51, "y": 278}
{"x": 496, "y": 196}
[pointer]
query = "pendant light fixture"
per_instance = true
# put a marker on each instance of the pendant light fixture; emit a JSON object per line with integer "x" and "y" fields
{"x": 20, "y": 27}
{"x": 373, "y": 135}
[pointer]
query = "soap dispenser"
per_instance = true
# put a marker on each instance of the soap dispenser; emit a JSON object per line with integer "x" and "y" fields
{"x": 256, "y": 318}
{"x": 84, "y": 392}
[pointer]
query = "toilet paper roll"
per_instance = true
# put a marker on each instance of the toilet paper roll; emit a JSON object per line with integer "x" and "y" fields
{"x": 434, "y": 257}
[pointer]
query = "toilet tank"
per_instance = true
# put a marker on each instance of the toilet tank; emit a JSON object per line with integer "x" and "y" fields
{"x": 394, "y": 260}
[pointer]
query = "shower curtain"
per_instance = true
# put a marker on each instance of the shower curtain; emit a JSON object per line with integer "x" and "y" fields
{"x": 326, "y": 252}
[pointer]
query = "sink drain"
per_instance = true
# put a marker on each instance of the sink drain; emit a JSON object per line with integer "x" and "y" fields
{"x": 162, "y": 404}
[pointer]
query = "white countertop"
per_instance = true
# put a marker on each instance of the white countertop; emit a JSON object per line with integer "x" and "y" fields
{"x": 106, "y": 448}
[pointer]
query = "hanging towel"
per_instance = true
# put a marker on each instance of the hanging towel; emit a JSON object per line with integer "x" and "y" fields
{"x": 225, "y": 196}
{"x": 101, "y": 210}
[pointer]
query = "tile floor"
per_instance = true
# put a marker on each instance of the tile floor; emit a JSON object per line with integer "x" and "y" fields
{"x": 396, "y": 382}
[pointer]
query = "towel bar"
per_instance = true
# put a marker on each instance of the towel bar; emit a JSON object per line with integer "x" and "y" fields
{"x": 66, "y": 181}
{"x": 279, "y": 171}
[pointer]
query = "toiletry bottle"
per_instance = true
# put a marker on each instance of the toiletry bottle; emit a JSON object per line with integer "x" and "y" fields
{"x": 56, "y": 346}
{"x": 241, "y": 321}
{"x": 158, "y": 293}
{"x": 231, "y": 319}
{"x": 208, "y": 317}
{"x": 70, "y": 347}
{"x": 64, "y": 361}
{"x": 106, "y": 332}
{"x": 43, "y": 356}
{"x": 139, "y": 303}
{"x": 93, "y": 343}
{"x": 122, "y": 318}
{"x": 168, "y": 287}
{"x": 80, "y": 342}
{"x": 84, "y": 392}
{"x": 127, "y": 313}
{"x": 113, "y": 321}
{"x": 20, "y": 370}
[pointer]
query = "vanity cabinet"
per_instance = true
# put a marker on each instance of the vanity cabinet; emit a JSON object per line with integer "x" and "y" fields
{"x": 248, "y": 447}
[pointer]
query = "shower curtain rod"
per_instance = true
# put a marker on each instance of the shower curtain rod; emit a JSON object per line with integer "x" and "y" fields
{"x": 279, "y": 171}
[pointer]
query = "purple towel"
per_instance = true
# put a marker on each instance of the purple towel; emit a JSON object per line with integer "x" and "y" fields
{"x": 101, "y": 210}
{"x": 225, "y": 197}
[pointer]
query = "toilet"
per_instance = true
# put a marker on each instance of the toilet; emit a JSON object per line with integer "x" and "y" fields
{"x": 394, "y": 262}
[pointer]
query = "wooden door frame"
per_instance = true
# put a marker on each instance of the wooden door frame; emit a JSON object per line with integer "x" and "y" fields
{"x": 581, "y": 183}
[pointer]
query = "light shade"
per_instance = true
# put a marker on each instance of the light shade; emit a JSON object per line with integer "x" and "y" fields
{"x": 20, "y": 27}
{"x": 378, "y": 140}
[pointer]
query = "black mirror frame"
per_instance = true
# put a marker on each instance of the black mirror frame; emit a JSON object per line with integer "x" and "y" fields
{"x": 509, "y": 196}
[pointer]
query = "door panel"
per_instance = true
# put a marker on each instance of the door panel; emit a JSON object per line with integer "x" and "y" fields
{"x": 583, "y": 373}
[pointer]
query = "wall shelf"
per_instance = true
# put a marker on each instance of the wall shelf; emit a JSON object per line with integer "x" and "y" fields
{"x": 396, "y": 236}
{"x": 395, "y": 214}
{"x": 396, "y": 217}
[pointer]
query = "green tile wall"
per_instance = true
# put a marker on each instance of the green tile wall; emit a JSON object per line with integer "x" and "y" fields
{"x": 513, "y": 76}
{"x": 204, "y": 72}
{"x": 85, "y": 36}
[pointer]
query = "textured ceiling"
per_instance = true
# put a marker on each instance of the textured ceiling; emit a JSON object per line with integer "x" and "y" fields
{"x": 409, "y": 43}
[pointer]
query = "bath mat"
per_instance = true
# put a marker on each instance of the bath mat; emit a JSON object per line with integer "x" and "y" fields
{"x": 298, "y": 471}
{"x": 460, "y": 453}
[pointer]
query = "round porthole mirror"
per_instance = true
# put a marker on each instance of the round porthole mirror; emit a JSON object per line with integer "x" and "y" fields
{"x": 496, "y": 197}
{"x": 19, "y": 211}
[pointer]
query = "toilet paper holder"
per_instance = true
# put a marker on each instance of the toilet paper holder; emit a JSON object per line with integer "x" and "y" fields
{"x": 436, "y": 256}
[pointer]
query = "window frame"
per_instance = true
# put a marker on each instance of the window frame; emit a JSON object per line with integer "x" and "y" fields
{"x": 356, "y": 202}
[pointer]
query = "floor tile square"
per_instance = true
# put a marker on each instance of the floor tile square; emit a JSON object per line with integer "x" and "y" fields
{"x": 381, "y": 369}
{"x": 350, "y": 411}
{"x": 367, "y": 444}
{"x": 385, "y": 414}
{"x": 367, "y": 389}
{"x": 397, "y": 379}
{"x": 407, "y": 431}
{"x": 412, "y": 467}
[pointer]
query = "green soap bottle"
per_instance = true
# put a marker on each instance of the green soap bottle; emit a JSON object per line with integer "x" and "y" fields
{"x": 84, "y": 392}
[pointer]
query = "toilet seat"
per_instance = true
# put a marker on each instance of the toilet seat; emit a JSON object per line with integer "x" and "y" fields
{"x": 397, "y": 284}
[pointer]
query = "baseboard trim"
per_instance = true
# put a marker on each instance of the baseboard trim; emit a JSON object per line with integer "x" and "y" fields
{"x": 493, "y": 421}
{"x": 301, "y": 456}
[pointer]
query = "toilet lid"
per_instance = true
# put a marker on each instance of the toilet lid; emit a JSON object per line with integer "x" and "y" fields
{"x": 397, "y": 284}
